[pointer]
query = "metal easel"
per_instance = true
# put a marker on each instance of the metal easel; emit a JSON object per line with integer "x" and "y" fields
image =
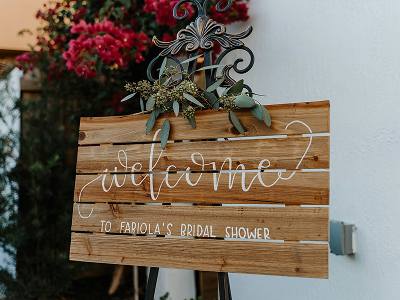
{"x": 201, "y": 35}
{"x": 223, "y": 285}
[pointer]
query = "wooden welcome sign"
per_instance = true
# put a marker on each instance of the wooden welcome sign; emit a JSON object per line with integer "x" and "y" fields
{"x": 119, "y": 167}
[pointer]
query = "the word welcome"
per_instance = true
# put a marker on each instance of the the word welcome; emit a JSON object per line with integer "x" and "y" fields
{"x": 198, "y": 159}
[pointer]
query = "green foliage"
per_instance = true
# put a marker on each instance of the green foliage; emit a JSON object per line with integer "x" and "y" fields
{"x": 175, "y": 91}
{"x": 165, "y": 133}
{"x": 243, "y": 101}
{"x": 265, "y": 115}
{"x": 164, "y": 63}
{"x": 215, "y": 85}
{"x": 128, "y": 97}
{"x": 235, "y": 122}
{"x": 36, "y": 216}
{"x": 165, "y": 297}
{"x": 256, "y": 111}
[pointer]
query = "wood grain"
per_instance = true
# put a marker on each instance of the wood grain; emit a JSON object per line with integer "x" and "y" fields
{"x": 113, "y": 197}
{"x": 210, "y": 124}
{"x": 282, "y": 259}
{"x": 283, "y": 223}
{"x": 282, "y": 153}
{"x": 310, "y": 188}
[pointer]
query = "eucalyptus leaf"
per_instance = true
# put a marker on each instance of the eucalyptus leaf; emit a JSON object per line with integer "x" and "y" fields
{"x": 256, "y": 111}
{"x": 191, "y": 59}
{"x": 236, "y": 89}
{"x": 265, "y": 115}
{"x": 244, "y": 101}
{"x": 150, "y": 103}
{"x": 176, "y": 108}
{"x": 192, "y": 99}
{"x": 212, "y": 99}
{"x": 192, "y": 121}
{"x": 162, "y": 80}
{"x": 126, "y": 3}
{"x": 128, "y": 97}
{"x": 215, "y": 85}
{"x": 230, "y": 120}
{"x": 235, "y": 121}
{"x": 166, "y": 81}
{"x": 210, "y": 67}
{"x": 163, "y": 65}
{"x": 150, "y": 122}
{"x": 141, "y": 104}
{"x": 165, "y": 133}
{"x": 251, "y": 94}
{"x": 158, "y": 112}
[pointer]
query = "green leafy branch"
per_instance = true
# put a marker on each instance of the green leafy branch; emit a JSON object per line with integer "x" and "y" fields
{"x": 175, "y": 92}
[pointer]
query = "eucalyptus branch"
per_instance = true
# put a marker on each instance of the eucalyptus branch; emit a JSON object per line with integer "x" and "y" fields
{"x": 187, "y": 97}
{"x": 142, "y": 112}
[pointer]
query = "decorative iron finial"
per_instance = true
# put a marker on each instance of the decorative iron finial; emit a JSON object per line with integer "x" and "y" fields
{"x": 202, "y": 35}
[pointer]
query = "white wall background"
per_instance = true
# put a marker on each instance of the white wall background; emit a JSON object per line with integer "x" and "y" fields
{"x": 180, "y": 284}
{"x": 346, "y": 51}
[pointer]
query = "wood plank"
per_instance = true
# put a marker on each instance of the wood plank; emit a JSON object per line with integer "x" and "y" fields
{"x": 310, "y": 188}
{"x": 268, "y": 258}
{"x": 279, "y": 223}
{"x": 131, "y": 128}
{"x": 281, "y": 153}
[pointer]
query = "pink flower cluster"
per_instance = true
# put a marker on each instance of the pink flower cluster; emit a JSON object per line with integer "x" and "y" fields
{"x": 116, "y": 102}
{"x": 238, "y": 12}
{"x": 112, "y": 44}
{"x": 163, "y": 10}
{"x": 26, "y": 61}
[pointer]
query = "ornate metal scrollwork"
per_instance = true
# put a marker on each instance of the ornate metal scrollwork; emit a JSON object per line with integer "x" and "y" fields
{"x": 229, "y": 81}
{"x": 154, "y": 61}
{"x": 202, "y": 9}
{"x": 202, "y": 34}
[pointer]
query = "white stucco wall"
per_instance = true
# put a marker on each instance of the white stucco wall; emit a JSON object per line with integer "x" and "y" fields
{"x": 180, "y": 284}
{"x": 347, "y": 51}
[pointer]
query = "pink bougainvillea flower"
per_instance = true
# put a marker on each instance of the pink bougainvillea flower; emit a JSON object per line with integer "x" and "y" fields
{"x": 80, "y": 27}
{"x": 116, "y": 102}
{"x": 163, "y": 10}
{"x": 238, "y": 12}
{"x": 111, "y": 44}
{"x": 167, "y": 38}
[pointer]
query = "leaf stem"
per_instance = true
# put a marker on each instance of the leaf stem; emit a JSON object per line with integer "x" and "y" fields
{"x": 141, "y": 113}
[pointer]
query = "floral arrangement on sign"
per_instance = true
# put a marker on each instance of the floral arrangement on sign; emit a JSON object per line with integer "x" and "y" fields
{"x": 174, "y": 91}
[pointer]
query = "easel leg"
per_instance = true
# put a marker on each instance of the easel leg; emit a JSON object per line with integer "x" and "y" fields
{"x": 224, "y": 286}
{"x": 229, "y": 286}
{"x": 151, "y": 283}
